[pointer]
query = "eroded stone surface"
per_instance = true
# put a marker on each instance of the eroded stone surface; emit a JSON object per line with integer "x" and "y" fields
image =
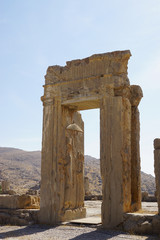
{"x": 19, "y": 201}
{"x": 18, "y": 217}
{"x": 142, "y": 223}
{"x": 135, "y": 160}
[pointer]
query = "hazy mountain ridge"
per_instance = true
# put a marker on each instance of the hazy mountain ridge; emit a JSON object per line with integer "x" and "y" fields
{"x": 92, "y": 171}
{"x": 22, "y": 169}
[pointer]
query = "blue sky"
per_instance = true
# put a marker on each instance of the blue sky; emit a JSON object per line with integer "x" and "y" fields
{"x": 36, "y": 34}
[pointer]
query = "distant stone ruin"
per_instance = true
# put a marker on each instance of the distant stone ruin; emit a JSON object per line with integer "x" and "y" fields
{"x": 99, "y": 81}
{"x": 157, "y": 169}
{"x": 86, "y": 186}
{"x": 5, "y": 186}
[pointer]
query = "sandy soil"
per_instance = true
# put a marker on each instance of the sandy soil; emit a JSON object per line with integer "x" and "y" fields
{"x": 77, "y": 232}
{"x": 37, "y": 232}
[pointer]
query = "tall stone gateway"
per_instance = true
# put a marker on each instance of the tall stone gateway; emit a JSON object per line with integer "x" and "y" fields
{"x": 99, "y": 81}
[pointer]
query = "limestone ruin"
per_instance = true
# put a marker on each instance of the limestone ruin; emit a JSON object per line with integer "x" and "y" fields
{"x": 86, "y": 186}
{"x": 157, "y": 169}
{"x": 99, "y": 81}
{"x": 5, "y": 187}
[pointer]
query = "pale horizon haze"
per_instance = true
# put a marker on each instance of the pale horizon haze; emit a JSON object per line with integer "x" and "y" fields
{"x": 35, "y": 34}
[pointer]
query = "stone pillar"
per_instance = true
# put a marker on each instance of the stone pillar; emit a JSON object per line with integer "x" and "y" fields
{"x": 111, "y": 138}
{"x": 136, "y": 167}
{"x": 157, "y": 169}
{"x": 136, "y": 95}
{"x": 5, "y": 187}
{"x": 126, "y": 155}
{"x": 86, "y": 186}
{"x": 50, "y": 179}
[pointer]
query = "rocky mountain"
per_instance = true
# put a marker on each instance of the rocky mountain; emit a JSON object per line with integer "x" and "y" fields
{"x": 22, "y": 169}
{"x": 148, "y": 183}
{"x": 92, "y": 171}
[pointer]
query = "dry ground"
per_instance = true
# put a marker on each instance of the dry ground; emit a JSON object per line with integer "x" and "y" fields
{"x": 77, "y": 232}
{"x": 38, "y": 232}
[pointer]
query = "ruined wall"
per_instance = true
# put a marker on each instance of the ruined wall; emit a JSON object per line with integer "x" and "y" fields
{"x": 24, "y": 201}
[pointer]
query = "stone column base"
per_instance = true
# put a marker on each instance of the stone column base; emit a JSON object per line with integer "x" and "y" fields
{"x": 74, "y": 214}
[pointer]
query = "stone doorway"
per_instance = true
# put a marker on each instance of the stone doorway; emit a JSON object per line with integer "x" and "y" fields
{"x": 99, "y": 81}
{"x": 92, "y": 174}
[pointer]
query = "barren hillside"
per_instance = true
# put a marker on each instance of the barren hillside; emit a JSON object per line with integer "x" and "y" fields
{"x": 92, "y": 171}
{"x": 22, "y": 169}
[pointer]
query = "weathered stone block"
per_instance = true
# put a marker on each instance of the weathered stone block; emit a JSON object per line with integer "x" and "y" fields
{"x": 136, "y": 95}
{"x": 156, "y": 224}
{"x": 73, "y": 214}
{"x": 111, "y": 137}
{"x": 19, "y": 202}
{"x": 141, "y": 223}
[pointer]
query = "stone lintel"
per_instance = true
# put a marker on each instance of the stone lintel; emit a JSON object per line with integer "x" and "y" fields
{"x": 113, "y": 63}
{"x": 82, "y": 103}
